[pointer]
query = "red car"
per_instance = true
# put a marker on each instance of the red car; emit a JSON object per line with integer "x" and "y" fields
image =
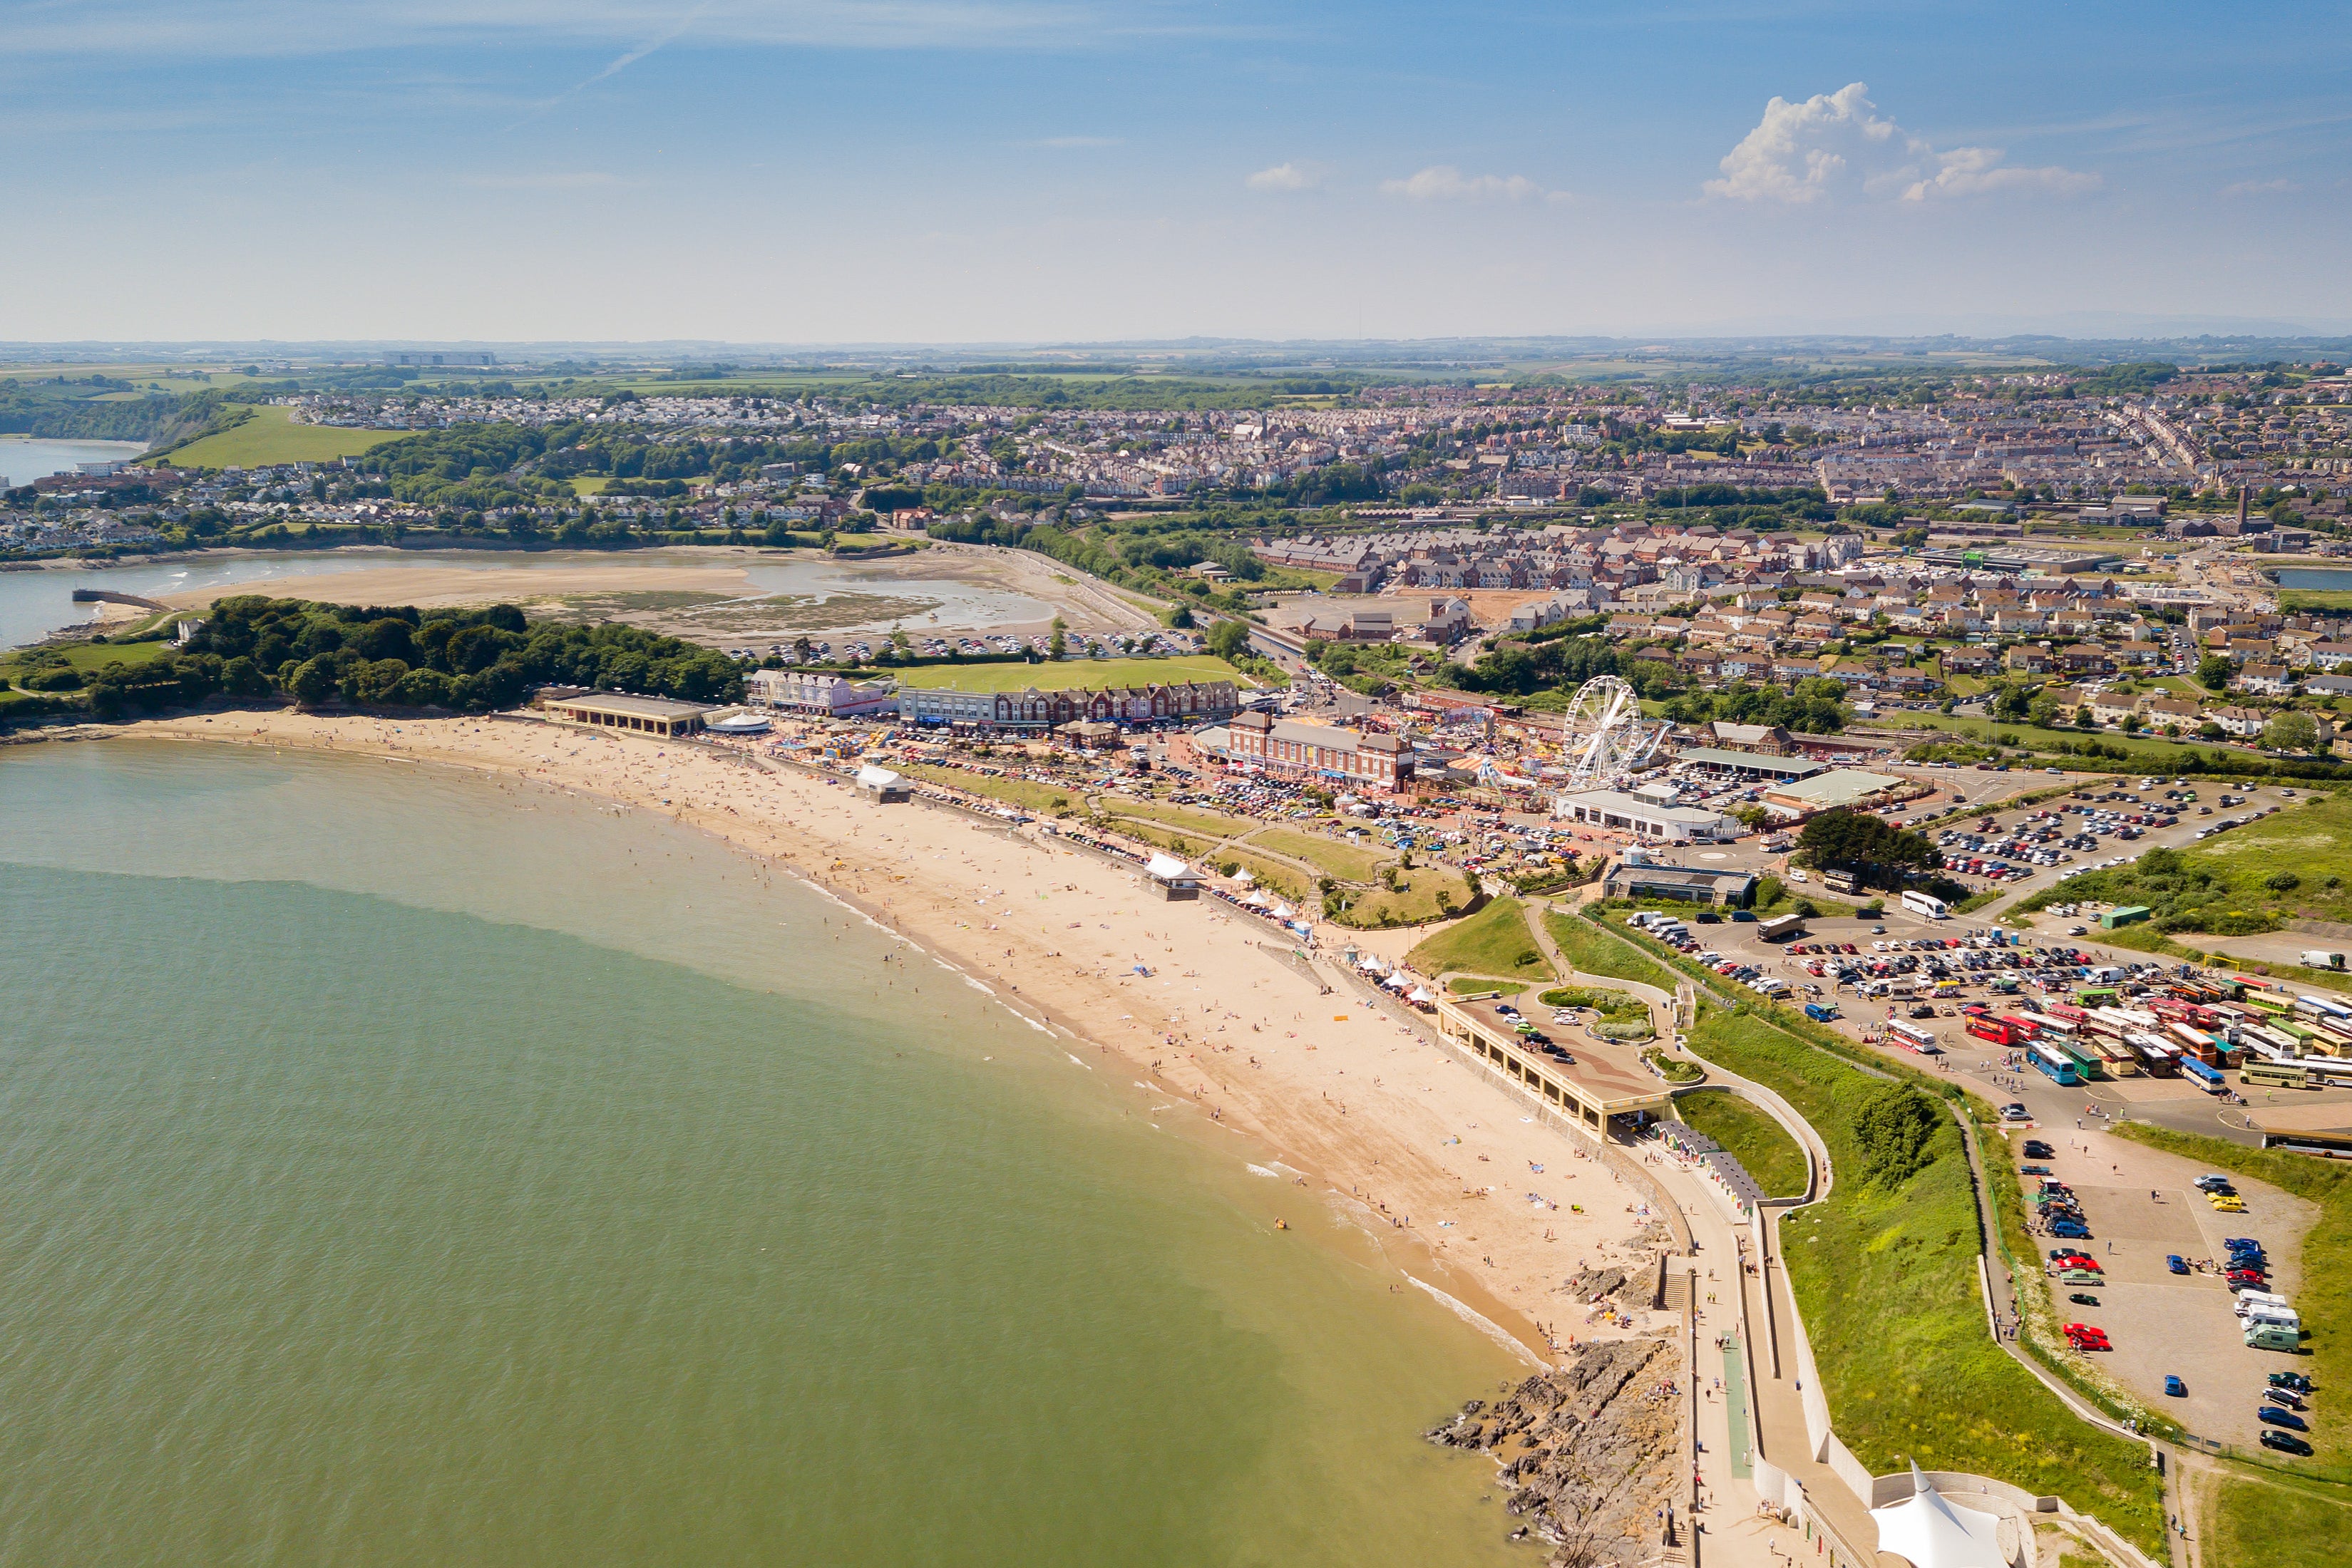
{"x": 2083, "y": 1336}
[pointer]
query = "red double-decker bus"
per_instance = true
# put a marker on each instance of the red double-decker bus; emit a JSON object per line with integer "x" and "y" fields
{"x": 1994, "y": 1029}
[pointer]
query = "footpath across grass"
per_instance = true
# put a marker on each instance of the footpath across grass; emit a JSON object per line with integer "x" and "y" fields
{"x": 1495, "y": 941}
{"x": 1750, "y": 1135}
{"x": 1884, "y": 1274}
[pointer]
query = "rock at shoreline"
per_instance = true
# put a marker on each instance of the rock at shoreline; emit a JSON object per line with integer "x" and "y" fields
{"x": 1588, "y": 1452}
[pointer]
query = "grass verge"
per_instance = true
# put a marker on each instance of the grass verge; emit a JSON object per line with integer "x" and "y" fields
{"x": 1042, "y": 799}
{"x": 1751, "y": 1136}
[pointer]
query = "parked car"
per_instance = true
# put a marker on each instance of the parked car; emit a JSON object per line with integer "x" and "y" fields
{"x": 2177, "y": 1263}
{"x": 2083, "y": 1298}
{"x": 2294, "y": 1380}
{"x": 2285, "y": 1443}
{"x": 2175, "y": 1387}
{"x": 2278, "y": 1418}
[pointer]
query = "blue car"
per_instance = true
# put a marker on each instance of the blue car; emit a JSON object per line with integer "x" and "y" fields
{"x": 2177, "y": 1263}
{"x": 2278, "y": 1418}
{"x": 2175, "y": 1387}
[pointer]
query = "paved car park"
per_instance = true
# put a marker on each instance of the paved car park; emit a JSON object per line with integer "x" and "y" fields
{"x": 2161, "y": 1323}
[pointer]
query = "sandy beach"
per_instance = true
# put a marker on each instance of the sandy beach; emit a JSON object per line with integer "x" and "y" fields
{"x": 1362, "y": 1121}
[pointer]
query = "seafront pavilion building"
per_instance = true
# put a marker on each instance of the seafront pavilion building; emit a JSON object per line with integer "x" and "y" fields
{"x": 647, "y": 715}
{"x": 1603, "y": 1083}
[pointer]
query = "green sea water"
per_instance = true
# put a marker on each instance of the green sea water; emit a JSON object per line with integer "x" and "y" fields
{"x": 400, "y": 1168}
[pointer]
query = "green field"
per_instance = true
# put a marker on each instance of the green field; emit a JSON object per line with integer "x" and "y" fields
{"x": 1495, "y": 941}
{"x": 1592, "y": 953}
{"x": 1058, "y": 674}
{"x": 1884, "y": 1274}
{"x": 1750, "y": 1135}
{"x": 2254, "y": 1522}
{"x": 2296, "y": 862}
{"x": 2173, "y": 756}
{"x": 269, "y": 436}
{"x": 2333, "y": 599}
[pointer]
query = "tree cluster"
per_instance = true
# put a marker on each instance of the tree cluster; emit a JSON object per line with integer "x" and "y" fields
{"x": 473, "y": 660}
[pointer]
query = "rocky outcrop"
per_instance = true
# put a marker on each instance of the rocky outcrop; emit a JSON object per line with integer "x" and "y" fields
{"x": 1588, "y": 1452}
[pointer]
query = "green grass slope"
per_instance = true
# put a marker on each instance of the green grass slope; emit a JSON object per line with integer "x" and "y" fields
{"x": 1885, "y": 1272}
{"x": 1495, "y": 941}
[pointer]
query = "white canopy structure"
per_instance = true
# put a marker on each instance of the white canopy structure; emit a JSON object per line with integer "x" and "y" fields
{"x": 1166, "y": 866}
{"x": 873, "y": 777}
{"x": 1930, "y": 1530}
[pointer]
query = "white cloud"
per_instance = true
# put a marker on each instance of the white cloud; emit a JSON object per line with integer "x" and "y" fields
{"x": 1445, "y": 183}
{"x": 2260, "y": 188}
{"x": 1836, "y": 144}
{"x": 1078, "y": 141}
{"x": 1291, "y": 176}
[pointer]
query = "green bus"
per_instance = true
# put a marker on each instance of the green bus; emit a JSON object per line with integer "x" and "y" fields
{"x": 2099, "y": 997}
{"x": 2275, "y": 1074}
{"x": 2269, "y": 1002}
{"x": 2089, "y": 1064}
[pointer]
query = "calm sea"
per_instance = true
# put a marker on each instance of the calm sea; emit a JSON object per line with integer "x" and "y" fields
{"x": 24, "y": 459}
{"x": 402, "y": 1169}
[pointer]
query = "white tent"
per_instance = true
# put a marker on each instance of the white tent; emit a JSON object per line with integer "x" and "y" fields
{"x": 1931, "y": 1530}
{"x": 872, "y": 778}
{"x": 1421, "y": 994}
{"x": 1166, "y": 866}
{"x": 1244, "y": 878}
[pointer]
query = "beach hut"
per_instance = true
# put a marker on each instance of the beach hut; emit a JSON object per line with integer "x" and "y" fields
{"x": 883, "y": 785}
{"x": 1171, "y": 879}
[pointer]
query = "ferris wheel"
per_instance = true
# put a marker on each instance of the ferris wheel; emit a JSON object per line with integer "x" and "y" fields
{"x": 1604, "y": 732}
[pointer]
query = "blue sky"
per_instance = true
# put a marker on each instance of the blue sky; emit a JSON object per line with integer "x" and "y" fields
{"x": 1004, "y": 170}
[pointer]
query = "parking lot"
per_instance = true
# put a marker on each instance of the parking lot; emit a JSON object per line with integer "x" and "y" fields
{"x": 2158, "y": 1324}
{"x": 2161, "y": 1323}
